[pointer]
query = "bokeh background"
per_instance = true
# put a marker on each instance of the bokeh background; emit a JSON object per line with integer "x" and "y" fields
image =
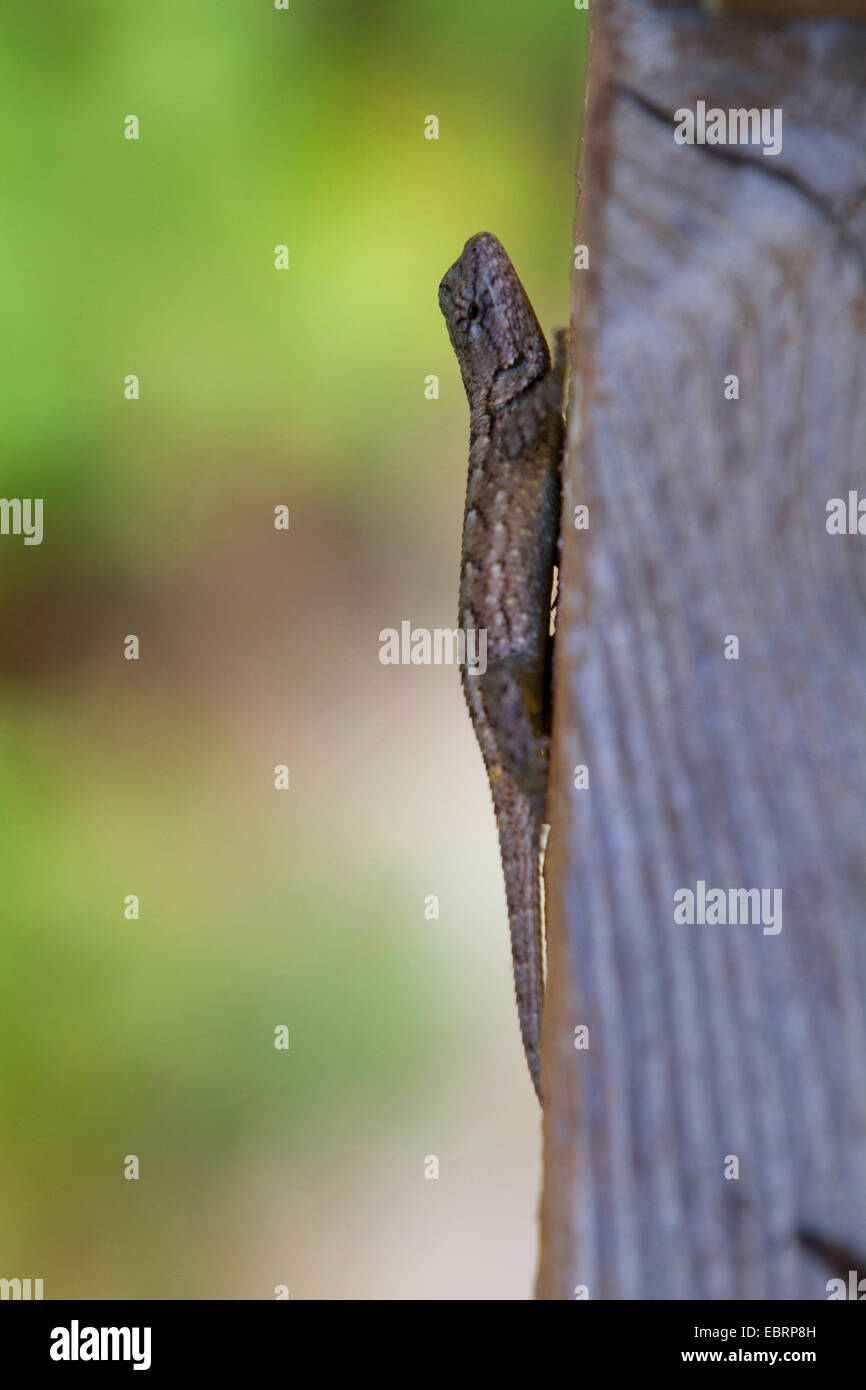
{"x": 258, "y": 387}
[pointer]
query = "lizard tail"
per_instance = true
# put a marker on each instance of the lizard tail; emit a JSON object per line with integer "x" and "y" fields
{"x": 519, "y": 841}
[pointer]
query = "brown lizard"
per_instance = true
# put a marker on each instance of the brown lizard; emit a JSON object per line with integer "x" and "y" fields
{"x": 510, "y": 538}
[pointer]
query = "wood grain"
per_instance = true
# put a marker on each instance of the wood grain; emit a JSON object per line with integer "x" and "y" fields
{"x": 780, "y": 9}
{"x": 708, "y": 520}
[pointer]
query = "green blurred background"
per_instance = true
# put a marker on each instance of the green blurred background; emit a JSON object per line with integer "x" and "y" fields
{"x": 258, "y": 387}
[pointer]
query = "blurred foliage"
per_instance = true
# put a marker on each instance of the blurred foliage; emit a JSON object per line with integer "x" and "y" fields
{"x": 258, "y": 127}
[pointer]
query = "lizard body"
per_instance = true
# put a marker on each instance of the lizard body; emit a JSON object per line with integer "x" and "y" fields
{"x": 510, "y": 537}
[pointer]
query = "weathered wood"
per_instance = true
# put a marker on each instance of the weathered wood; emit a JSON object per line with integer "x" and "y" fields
{"x": 708, "y": 519}
{"x": 782, "y": 9}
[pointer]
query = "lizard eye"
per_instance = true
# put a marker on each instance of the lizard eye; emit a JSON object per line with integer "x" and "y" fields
{"x": 472, "y": 311}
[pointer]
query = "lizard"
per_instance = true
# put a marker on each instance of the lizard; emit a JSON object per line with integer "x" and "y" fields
{"x": 509, "y": 550}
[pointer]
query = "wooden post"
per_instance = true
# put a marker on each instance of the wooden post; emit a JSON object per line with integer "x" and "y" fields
{"x": 710, "y": 1140}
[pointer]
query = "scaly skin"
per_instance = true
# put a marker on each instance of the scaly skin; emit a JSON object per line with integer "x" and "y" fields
{"x": 510, "y": 535}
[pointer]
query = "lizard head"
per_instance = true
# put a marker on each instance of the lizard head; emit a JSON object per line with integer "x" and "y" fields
{"x": 493, "y": 329}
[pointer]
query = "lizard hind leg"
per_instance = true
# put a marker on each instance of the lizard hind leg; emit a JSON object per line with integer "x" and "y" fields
{"x": 515, "y": 705}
